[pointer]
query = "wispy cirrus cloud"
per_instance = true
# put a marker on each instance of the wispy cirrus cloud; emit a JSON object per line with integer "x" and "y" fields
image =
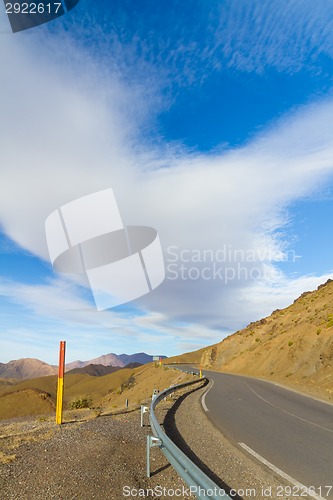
{"x": 187, "y": 45}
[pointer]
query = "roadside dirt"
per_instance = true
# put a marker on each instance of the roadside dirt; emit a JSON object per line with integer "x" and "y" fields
{"x": 102, "y": 458}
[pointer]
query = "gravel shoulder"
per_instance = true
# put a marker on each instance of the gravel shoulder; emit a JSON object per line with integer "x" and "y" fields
{"x": 103, "y": 458}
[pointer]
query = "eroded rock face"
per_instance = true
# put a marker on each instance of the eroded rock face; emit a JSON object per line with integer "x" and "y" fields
{"x": 293, "y": 345}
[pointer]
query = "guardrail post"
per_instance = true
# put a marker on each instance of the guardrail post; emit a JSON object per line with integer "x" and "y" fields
{"x": 155, "y": 394}
{"x": 151, "y": 441}
{"x": 144, "y": 409}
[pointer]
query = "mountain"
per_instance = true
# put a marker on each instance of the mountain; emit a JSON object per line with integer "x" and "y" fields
{"x": 105, "y": 360}
{"x": 26, "y": 368}
{"x": 140, "y": 357}
{"x": 293, "y": 345}
{"x": 112, "y": 359}
{"x": 100, "y": 370}
{"x": 95, "y": 370}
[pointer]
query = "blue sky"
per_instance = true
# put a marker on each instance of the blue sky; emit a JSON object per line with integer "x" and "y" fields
{"x": 211, "y": 121}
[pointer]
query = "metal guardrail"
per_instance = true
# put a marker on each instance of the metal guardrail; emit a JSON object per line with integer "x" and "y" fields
{"x": 198, "y": 482}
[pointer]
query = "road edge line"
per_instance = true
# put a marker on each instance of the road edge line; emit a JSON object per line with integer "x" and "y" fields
{"x": 280, "y": 472}
{"x": 203, "y": 397}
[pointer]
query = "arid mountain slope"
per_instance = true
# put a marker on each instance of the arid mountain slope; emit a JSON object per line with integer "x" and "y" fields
{"x": 94, "y": 370}
{"x": 294, "y": 345}
{"x": 110, "y": 359}
{"x": 26, "y": 368}
{"x": 188, "y": 357}
{"x": 30, "y": 397}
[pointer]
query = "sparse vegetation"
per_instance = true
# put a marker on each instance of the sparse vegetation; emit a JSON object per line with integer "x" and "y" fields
{"x": 329, "y": 321}
{"x": 129, "y": 383}
{"x": 5, "y": 459}
{"x": 13, "y": 435}
{"x": 80, "y": 402}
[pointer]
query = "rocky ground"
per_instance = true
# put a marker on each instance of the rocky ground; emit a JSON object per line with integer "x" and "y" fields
{"x": 103, "y": 458}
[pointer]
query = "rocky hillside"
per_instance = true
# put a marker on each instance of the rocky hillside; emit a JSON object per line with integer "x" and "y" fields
{"x": 26, "y": 368}
{"x": 293, "y": 345}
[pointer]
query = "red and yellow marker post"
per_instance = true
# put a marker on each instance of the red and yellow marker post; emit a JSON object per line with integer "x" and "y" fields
{"x": 61, "y": 373}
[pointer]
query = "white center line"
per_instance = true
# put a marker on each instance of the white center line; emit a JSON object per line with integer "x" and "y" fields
{"x": 288, "y": 412}
{"x": 288, "y": 478}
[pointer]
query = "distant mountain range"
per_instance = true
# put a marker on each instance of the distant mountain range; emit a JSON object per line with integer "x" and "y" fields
{"x": 112, "y": 359}
{"x": 28, "y": 368}
{"x": 101, "y": 370}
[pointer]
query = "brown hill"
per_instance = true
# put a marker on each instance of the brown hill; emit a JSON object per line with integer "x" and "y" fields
{"x": 26, "y": 368}
{"x": 293, "y": 345}
{"x": 95, "y": 370}
{"x": 76, "y": 385}
{"x": 140, "y": 385}
{"x": 188, "y": 357}
{"x": 108, "y": 392}
{"x": 7, "y": 381}
{"x": 25, "y": 403}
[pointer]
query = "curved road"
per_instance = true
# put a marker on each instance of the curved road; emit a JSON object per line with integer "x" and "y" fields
{"x": 290, "y": 433}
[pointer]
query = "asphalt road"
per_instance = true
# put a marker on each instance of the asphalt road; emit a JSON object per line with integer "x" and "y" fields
{"x": 294, "y": 433}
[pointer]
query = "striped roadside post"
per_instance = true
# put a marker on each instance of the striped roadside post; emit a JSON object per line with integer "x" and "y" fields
{"x": 60, "y": 390}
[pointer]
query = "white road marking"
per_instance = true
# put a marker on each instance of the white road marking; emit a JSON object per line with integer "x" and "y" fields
{"x": 288, "y": 412}
{"x": 288, "y": 478}
{"x": 203, "y": 399}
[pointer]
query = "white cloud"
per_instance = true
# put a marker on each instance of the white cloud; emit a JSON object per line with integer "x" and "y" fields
{"x": 188, "y": 44}
{"x": 254, "y": 36}
{"x": 48, "y": 313}
{"x": 65, "y": 135}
